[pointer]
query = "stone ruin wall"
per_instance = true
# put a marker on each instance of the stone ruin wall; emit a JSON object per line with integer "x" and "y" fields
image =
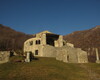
{"x": 49, "y": 51}
{"x": 43, "y": 44}
{"x": 71, "y": 55}
{"x": 66, "y": 54}
{"x": 4, "y": 56}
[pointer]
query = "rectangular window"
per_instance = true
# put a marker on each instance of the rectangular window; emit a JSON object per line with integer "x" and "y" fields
{"x": 37, "y": 41}
{"x": 36, "y": 52}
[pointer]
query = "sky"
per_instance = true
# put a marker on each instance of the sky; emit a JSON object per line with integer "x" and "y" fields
{"x": 57, "y": 16}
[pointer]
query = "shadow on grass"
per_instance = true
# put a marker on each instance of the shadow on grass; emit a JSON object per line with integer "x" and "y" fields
{"x": 35, "y": 58}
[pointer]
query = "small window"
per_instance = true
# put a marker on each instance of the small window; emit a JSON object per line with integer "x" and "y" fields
{"x": 37, "y": 41}
{"x": 36, "y": 52}
{"x": 67, "y": 57}
{"x": 31, "y": 42}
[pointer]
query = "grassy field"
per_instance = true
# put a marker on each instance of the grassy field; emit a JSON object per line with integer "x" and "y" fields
{"x": 49, "y": 69}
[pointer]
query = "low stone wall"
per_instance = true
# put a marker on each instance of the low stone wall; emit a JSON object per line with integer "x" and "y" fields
{"x": 71, "y": 55}
{"x": 49, "y": 51}
{"x": 4, "y": 56}
{"x": 82, "y": 56}
{"x": 66, "y": 54}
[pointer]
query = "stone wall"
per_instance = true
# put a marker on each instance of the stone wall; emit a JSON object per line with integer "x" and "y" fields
{"x": 71, "y": 55}
{"x": 82, "y": 56}
{"x": 45, "y": 48}
{"x": 49, "y": 51}
{"x": 66, "y": 54}
{"x": 4, "y": 56}
{"x": 69, "y": 44}
{"x": 30, "y": 45}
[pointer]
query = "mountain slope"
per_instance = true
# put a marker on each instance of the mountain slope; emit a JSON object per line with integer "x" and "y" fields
{"x": 85, "y": 39}
{"x": 11, "y": 39}
{"x": 88, "y": 40}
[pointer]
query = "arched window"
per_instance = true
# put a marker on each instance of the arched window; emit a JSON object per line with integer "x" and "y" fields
{"x": 31, "y": 42}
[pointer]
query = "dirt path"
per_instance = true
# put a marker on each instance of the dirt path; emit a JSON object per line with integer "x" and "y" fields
{"x": 91, "y": 74}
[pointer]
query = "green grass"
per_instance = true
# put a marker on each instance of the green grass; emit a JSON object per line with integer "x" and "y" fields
{"x": 45, "y": 69}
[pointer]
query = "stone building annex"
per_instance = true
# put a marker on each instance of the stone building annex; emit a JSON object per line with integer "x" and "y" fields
{"x": 47, "y": 44}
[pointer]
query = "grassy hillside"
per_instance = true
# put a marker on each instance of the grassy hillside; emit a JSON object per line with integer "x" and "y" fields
{"x": 49, "y": 69}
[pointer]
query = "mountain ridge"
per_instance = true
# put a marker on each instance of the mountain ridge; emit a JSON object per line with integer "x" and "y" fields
{"x": 85, "y": 35}
{"x": 87, "y": 40}
{"x": 11, "y": 39}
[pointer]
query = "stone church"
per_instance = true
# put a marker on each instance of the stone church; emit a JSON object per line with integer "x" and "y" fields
{"x": 47, "y": 44}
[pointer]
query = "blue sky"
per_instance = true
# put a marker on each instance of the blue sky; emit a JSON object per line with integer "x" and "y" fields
{"x": 58, "y": 16}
